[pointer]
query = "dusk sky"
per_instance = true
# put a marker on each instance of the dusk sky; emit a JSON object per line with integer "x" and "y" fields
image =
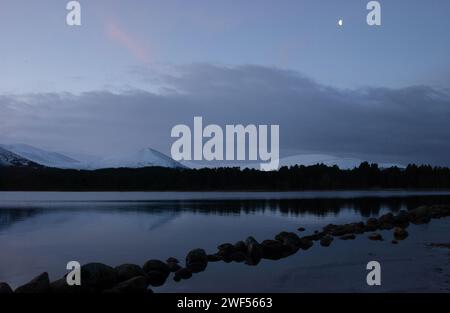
{"x": 134, "y": 69}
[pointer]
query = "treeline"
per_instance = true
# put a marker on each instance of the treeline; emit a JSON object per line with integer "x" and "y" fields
{"x": 317, "y": 177}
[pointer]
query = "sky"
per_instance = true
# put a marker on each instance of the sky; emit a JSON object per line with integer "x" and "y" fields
{"x": 134, "y": 69}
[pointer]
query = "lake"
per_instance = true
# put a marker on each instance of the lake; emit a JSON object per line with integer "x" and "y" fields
{"x": 42, "y": 231}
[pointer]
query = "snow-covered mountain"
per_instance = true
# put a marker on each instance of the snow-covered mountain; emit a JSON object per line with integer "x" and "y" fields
{"x": 42, "y": 157}
{"x": 8, "y": 158}
{"x": 22, "y": 155}
{"x": 143, "y": 158}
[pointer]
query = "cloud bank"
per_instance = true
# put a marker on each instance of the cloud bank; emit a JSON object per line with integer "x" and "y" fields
{"x": 387, "y": 125}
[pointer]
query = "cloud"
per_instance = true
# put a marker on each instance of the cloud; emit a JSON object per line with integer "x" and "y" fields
{"x": 382, "y": 124}
{"x": 119, "y": 35}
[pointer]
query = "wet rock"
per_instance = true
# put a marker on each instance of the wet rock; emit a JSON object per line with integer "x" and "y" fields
{"x": 305, "y": 243}
{"x": 214, "y": 258}
{"x": 238, "y": 257}
{"x": 172, "y": 260}
{"x": 240, "y": 246}
{"x": 400, "y": 233}
{"x": 272, "y": 249}
{"x": 254, "y": 251}
{"x": 394, "y": 242}
{"x": 326, "y": 241}
{"x": 372, "y": 224}
{"x": 40, "y": 284}
{"x": 98, "y": 276}
{"x": 290, "y": 240}
{"x": 5, "y": 288}
{"x": 137, "y": 284}
{"x": 225, "y": 251}
{"x": 128, "y": 271}
{"x": 156, "y": 265}
{"x": 348, "y": 237}
{"x": 156, "y": 278}
{"x": 376, "y": 237}
{"x": 60, "y": 286}
{"x": 421, "y": 215}
{"x": 157, "y": 272}
{"x": 197, "y": 260}
{"x": 173, "y": 267}
{"x": 346, "y": 229}
{"x": 301, "y": 229}
{"x": 316, "y": 237}
{"x": 402, "y": 219}
{"x": 183, "y": 273}
{"x": 386, "y": 221}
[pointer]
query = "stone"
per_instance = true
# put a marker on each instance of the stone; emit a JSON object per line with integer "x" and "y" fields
{"x": 376, "y": 237}
{"x": 400, "y": 233}
{"x": 156, "y": 278}
{"x": 137, "y": 284}
{"x": 156, "y": 265}
{"x": 326, "y": 241}
{"x": 97, "y": 276}
{"x": 172, "y": 260}
{"x": 40, "y": 284}
{"x": 240, "y": 246}
{"x": 301, "y": 229}
{"x": 348, "y": 237}
{"x": 183, "y": 273}
{"x": 197, "y": 260}
{"x": 272, "y": 249}
{"x": 128, "y": 271}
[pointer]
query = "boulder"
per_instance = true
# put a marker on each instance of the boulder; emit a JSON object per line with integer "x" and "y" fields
{"x": 173, "y": 267}
{"x": 214, "y": 258}
{"x": 254, "y": 251}
{"x": 402, "y": 219}
{"x": 197, "y": 260}
{"x": 40, "y": 284}
{"x": 272, "y": 249}
{"x": 156, "y": 265}
{"x": 372, "y": 224}
{"x": 400, "y": 233}
{"x": 386, "y": 221}
{"x": 172, "y": 260}
{"x": 376, "y": 237}
{"x": 421, "y": 215}
{"x": 97, "y": 277}
{"x": 127, "y": 271}
{"x": 326, "y": 241}
{"x": 301, "y": 229}
{"x": 348, "y": 237}
{"x": 156, "y": 278}
{"x": 183, "y": 273}
{"x": 394, "y": 242}
{"x": 5, "y": 288}
{"x": 290, "y": 240}
{"x": 225, "y": 251}
{"x": 240, "y": 246}
{"x": 238, "y": 257}
{"x": 137, "y": 284}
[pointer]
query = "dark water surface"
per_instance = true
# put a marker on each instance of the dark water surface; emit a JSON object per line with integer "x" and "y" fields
{"x": 43, "y": 231}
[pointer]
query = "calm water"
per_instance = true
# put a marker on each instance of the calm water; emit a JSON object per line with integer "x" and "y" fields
{"x": 43, "y": 231}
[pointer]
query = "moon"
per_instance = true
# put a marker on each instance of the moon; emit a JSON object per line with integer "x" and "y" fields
{"x": 340, "y": 22}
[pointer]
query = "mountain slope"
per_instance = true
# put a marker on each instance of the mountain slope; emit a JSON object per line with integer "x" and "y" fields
{"x": 45, "y": 158}
{"x": 144, "y": 158}
{"x": 9, "y": 159}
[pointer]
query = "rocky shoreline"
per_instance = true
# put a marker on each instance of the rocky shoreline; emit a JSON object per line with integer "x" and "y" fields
{"x": 131, "y": 278}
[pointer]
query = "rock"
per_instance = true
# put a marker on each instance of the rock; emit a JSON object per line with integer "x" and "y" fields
{"x": 301, "y": 229}
{"x": 272, "y": 249}
{"x": 348, "y": 237}
{"x": 290, "y": 240}
{"x": 40, "y": 284}
{"x": 326, "y": 241}
{"x": 173, "y": 267}
{"x": 400, "y": 233}
{"x": 386, "y": 221}
{"x": 317, "y": 236}
{"x": 238, "y": 257}
{"x": 5, "y": 289}
{"x": 156, "y": 265}
{"x": 402, "y": 219}
{"x": 60, "y": 286}
{"x": 183, "y": 273}
{"x": 156, "y": 278}
{"x": 127, "y": 271}
{"x": 372, "y": 224}
{"x": 376, "y": 237}
{"x": 346, "y": 229}
{"x": 97, "y": 277}
{"x": 214, "y": 258}
{"x": 240, "y": 246}
{"x": 421, "y": 215}
{"x": 305, "y": 243}
{"x": 137, "y": 284}
{"x": 172, "y": 260}
{"x": 225, "y": 251}
{"x": 394, "y": 242}
{"x": 254, "y": 251}
{"x": 197, "y": 260}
